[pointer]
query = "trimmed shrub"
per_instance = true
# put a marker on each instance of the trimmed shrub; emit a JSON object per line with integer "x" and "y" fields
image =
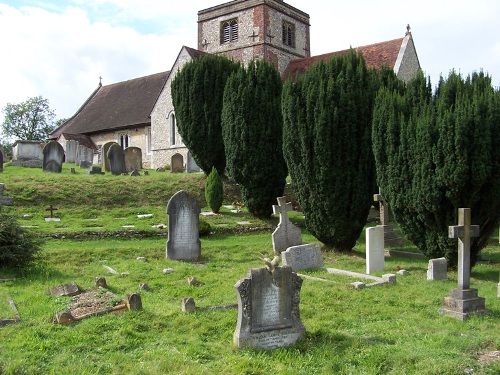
{"x": 214, "y": 191}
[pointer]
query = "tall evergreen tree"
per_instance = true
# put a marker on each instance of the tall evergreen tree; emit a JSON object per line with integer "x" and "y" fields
{"x": 252, "y": 129}
{"x": 197, "y": 92}
{"x": 327, "y": 146}
{"x": 437, "y": 153}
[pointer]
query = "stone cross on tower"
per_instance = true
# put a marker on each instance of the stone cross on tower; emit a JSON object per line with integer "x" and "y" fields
{"x": 286, "y": 234}
{"x": 463, "y": 231}
{"x": 5, "y": 201}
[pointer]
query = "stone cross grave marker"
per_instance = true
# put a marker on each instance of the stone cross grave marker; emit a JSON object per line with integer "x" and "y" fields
{"x": 183, "y": 212}
{"x": 5, "y": 201}
{"x": 391, "y": 238}
{"x": 463, "y": 301}
{"x": 286, "y": 234}
{"x": 302, "y": 257}
{"x": 438, "y": 269}
{"x": 375, "y": 249}
{"x": 268, "y": 309}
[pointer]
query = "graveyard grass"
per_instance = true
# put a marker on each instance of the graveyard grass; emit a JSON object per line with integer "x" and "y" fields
{"x": 389, "y": 329}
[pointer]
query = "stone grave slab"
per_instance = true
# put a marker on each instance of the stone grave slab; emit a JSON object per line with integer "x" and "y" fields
{"x": 438, "y": 269}
{"x": 65, "y": 290}
{"x": 374, "y": 249}
{"x": 302, "y": 257}
{"x": 133, "y": 159}
{"x": 177, "y": 163}
{"x": 183, "y": 212}
{"x": 286, "y": 234}
{"x": 268, "y": 309}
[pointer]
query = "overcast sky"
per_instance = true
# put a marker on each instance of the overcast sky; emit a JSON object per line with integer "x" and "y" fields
{"x": 59, "y": 49}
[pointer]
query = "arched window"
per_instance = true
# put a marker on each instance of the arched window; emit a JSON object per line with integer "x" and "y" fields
{"x": 229, "y": 31}
{"x": 172, "y": 129}
{"x": 123, "y": 140}
{"x": 288, "y": 34}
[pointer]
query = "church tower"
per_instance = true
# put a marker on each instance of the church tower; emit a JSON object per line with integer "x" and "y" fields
{"x": 253, "y": 29}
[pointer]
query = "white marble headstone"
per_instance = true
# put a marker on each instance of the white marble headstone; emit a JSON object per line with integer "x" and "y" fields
{"x": 374, "y": 249}
{"x": 438, "y": 269}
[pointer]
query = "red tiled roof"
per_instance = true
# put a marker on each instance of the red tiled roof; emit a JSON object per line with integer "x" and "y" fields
{"x": 119, "y": 105}
{"x": 376, "y": 56}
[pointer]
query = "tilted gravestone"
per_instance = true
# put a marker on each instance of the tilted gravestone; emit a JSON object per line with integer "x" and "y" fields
{"x": 71, "y": 147}
{"x": 104, "y": 155}
{"x": 286, "y": 234}
{"x": 116, "y": 158}
{"x": 374, "y": 249}
{"x": 183, "y": 211}
{"x": 133, "y": 159}
{"x": 391, "y": 238}
{"x": 268, "y": 309}
{"x": 177, "y": 163}
{"x": 463, "y": 301}
{"x": 438, "y": 269}
{"x": 302, "y": 257}
{"x": 53, "y": 157}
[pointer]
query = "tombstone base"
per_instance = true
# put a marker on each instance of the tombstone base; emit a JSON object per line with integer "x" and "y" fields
{"x": 184, "y": 251}
{"x": 462, "y": 303}
{"x": 269, "y": 339}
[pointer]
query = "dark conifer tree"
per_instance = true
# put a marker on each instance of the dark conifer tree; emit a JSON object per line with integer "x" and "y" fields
{"x": 437, "y": 153}
{"x": 252, "y": 129}
{"x": 327, "y": 146}
{"x": 214, "y": 191}
{"x": 197, "y": 92}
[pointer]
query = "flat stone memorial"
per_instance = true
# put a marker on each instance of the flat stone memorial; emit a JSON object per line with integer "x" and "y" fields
{"x": 268, "y": 309}
{"x": 438, "y": 269}
{"x": 286, "y": 234}
{"x": 302, "y": 257}
{"x": 53, "y": 157}
{"x": 375, "y": 249}
{"x": 183, "y": 212}
{"x": 463, "y": 301}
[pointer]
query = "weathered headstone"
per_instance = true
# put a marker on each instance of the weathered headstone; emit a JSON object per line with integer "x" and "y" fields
{"x": 134, "y": 301}
{"x": 391, "y": 238}
{"x": 188, "y": 305}
{"x": 116, "y": 158}
{"x": 191, "y": 165}
{"x": 183, "y": 212}
{"x": 438, "y": 269}
{"x": 95, "y": 170}
{"x": 286, "y": 234}
{"x": 71, "y": 146}
{"x": 268, "y": 309}
{"x": 133, "y": 159}
{"x": 374, "y": 249}
{"x": 302, "y": 257}
{"x": 53, "y": 157}
{"x": 104, "y": 155}
{"x": 66, "y": 290}
{"x": 463, "y": 301}
{"x": 177, "y": 163}
{"x": 5, "y": 201}
{"x": 100, "y": 282}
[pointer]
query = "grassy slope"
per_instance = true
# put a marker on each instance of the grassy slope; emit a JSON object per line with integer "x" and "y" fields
{"x": 392, "y": 329}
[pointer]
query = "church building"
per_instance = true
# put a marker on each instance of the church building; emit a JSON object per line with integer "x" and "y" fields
{"x": 140, "y": 113}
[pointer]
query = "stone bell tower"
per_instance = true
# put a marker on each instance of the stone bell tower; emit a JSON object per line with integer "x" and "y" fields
{"x": 253, "y": 29}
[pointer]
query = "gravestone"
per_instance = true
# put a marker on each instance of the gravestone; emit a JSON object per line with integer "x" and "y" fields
{"x": 5, "y": 201}
{"x": 191, "y": 165}
{"x": 116, "y": 158}
{"x": 391, "y": 238}
{"x": 177, "y": 163}
{"x": 84, "y": 155}
{"x": 133, "y": 159}
{"x": 104, "y": 155}
{"x": 463, "y": 301}
{"x": 286, "y": 234}
{"x": 71, "y": 146}
{"x": 95, "y": 170}
{"x": 302, "y": 257}
{"x": 268, "y": 309}
{"x": 374, "y": 249}
{"x": 183, "y": 212}
{"x": 66, "y": 290}
{"x": 53, "y": 157}
{"x": 438, "y": 269}
{"x": 1, "y": 159}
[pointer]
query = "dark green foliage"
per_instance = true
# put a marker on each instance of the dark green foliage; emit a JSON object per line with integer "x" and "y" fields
{"x": 214, "y": 191}
{"x": 327, "y": 146}
{"x": 252, "y": 130}
{"x": 17, "y": 248}
{"x": 437, "y": 153}
{"x": 197, "y": 92}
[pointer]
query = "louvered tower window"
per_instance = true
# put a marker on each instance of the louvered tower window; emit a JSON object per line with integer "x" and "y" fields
{"x": 288, "y": 34}
{"x": 229, "y": 31}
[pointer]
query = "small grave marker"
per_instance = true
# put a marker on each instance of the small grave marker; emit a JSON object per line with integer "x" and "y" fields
{"x": 52, "y": 218}
{"x": 286, "y": 234}
{"x": 438, "y": 269}
{"x": 463, "y": 301}
{"x": 302, "y": 257}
